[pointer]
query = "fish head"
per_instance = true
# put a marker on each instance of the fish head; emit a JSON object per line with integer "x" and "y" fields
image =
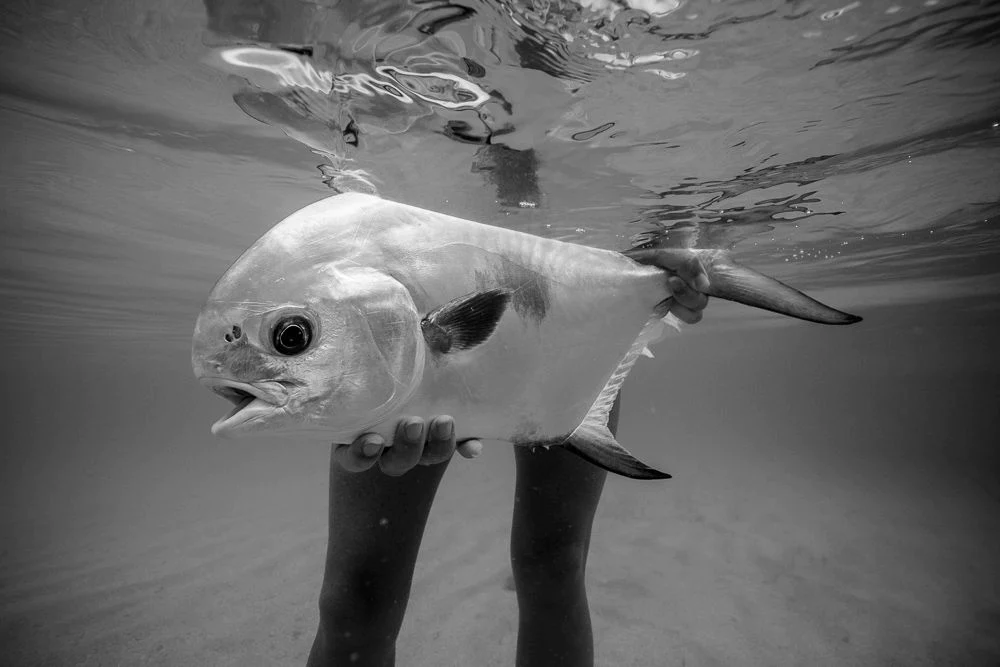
{"x": 305, "y": 346}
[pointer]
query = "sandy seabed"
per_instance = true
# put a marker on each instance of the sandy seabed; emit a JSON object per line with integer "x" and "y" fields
{"x": 699, "y": 571}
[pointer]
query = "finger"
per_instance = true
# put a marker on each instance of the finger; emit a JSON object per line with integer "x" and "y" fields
{"x": 686, "y": 264}
{"x": 685, "y": 295}
{"x": 440, "y": 445}
{"x": 361, "y": 454}
{"x": 693, "y": 273}
{"x": 470, "y": 449}
{"x": 685, "y": 314}
{"x": 407, "y": 445}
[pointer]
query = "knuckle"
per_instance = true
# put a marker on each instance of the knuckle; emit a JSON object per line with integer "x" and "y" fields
{"x": 351, "y": 465}
{"x": 435, "y": 459}
{"x": 438, "y": 454}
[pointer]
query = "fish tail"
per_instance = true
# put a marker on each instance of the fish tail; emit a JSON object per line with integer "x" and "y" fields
{"x": 734, "y": 282}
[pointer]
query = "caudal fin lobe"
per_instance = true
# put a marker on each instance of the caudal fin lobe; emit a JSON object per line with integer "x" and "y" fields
{"x": 595, "y": 443}
{"x": 734, "y": 282}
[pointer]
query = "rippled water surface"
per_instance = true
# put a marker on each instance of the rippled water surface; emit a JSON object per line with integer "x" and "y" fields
{"x": 836, "y": 492}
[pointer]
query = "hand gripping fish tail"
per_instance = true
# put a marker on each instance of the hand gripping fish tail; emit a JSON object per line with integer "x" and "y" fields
{"x": 734, "y": 282}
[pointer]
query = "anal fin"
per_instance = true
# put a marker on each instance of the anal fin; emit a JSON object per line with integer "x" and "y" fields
{"x": 594, "y": 442}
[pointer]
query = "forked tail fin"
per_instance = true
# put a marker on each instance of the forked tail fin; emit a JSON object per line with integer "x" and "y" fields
{"x": 734, "y": 282}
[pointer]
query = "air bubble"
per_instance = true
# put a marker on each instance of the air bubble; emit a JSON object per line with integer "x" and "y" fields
{"x": 665, "y": 74}
{"x": 837, "y": 13}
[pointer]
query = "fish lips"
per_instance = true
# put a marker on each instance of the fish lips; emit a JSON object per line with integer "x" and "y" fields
{"x": 252, "y": 403}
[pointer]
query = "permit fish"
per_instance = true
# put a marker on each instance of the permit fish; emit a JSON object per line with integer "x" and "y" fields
{"x": 356, "y": 310}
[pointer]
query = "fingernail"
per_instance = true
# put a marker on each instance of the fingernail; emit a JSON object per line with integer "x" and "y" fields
{"x": 414, "y": 431}
{"x": 371, "y": 448}
{"x": 442, "y": 430}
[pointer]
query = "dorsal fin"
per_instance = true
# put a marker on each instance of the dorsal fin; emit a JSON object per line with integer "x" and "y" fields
{"x": 466, "y": 321}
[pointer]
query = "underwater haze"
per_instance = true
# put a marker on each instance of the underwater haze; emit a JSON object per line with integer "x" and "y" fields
{"x": 836, "y": 490}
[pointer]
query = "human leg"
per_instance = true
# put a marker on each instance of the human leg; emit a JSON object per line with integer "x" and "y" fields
{"x": 376, "y": 525}
{"x": 555, "y": 501}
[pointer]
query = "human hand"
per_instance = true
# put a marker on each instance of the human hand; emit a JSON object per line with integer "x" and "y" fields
{"x": 414, "y": 443}
{"x": 688, "y": 283}
{"x": 687, "y": 302}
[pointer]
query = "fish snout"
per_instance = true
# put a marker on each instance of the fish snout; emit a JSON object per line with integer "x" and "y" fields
{"x": 211, "y": 337}
{"x": 204, "y": 367}
{"x": 222, "y": 347}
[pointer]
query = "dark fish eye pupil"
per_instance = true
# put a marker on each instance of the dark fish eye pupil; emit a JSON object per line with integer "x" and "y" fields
{"x": 292, "y": 335}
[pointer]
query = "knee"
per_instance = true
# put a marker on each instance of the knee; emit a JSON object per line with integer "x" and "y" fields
{"x": 549, "y": 559}
{"x": 357, "y": 608}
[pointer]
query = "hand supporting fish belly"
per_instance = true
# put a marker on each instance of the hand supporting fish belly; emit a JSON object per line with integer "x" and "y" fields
{"x": 355, "y": 311}
{"x": 414, "y": 443}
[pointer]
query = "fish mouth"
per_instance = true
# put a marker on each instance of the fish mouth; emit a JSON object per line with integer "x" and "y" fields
{"x": 249, "y": 403}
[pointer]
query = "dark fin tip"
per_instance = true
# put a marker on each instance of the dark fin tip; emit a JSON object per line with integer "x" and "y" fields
{"x": 597, "y": 445}
{"x": 640, "y": 471}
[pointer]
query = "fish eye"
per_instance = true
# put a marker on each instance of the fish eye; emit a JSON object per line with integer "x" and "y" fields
{"x": 292, "y": 335}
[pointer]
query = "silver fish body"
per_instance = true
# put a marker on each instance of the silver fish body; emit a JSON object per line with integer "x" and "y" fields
{"x": 356, "y": 310}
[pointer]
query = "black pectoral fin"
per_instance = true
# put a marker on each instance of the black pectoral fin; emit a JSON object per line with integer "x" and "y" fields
{"x": 465, "y": 322}
{"x": 597, "y": 445}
